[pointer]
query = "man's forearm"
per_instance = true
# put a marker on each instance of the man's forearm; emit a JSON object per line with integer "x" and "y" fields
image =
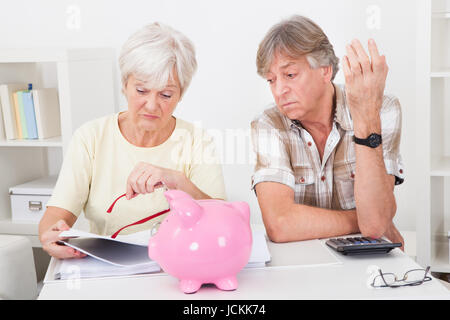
{"x": 365, "y": 79}
{"x": 374, "y": 196}
{"x": 301, "y": 222}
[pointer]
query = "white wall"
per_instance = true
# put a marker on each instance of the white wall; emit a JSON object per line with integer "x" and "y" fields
{"x": 226, "y": 92}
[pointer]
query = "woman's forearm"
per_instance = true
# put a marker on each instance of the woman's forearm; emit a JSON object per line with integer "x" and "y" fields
{"x": 188, "y": 186}
{"x": 52, "y": 215}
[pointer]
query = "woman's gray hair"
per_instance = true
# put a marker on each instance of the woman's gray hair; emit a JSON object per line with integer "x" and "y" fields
{"x": 154, "y": 52}
{"x": 295, "y": 37}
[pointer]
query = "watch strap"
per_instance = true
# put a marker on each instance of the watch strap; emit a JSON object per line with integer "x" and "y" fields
{"x": 372, "y": 141}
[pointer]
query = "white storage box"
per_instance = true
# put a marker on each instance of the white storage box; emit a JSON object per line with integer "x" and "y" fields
{"x": 29, "y": 200}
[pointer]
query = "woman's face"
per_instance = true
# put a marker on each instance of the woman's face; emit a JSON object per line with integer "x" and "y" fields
{"x": 151, "y": 109}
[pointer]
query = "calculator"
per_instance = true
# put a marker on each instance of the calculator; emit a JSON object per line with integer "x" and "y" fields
{"x": 361, "y": 245}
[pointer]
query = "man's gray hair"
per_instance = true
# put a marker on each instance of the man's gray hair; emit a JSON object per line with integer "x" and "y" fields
{"x": 154, "y": 52}
{"x": 295, "y": 37}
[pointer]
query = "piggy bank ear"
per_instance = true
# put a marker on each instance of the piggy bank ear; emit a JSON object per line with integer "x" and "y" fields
{"x": 243, "y": 209}
{"x": 188, "y": 210}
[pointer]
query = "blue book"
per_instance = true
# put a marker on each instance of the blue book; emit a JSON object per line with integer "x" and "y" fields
{"x": 23, "y": 123}
{"x": 30, "y": 117}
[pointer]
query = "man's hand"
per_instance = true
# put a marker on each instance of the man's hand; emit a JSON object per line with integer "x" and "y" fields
{"x": 394, "y": 235}
{"x": 364, "y": 85}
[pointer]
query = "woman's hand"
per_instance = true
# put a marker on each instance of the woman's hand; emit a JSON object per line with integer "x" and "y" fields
{"x": 49, "y": 242}
{"x": 145, "y": 177}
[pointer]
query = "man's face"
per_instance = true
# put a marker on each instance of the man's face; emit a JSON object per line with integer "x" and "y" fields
{"x": 296, "y": 87}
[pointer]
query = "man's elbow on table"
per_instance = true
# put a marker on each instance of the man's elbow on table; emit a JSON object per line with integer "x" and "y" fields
{"x": 281, "y": 228}
{"x": 376, "y": 227}
{"x": 372, "y": 231}
{"x": 273, "y": 208}
{"x": 275, "y": 229}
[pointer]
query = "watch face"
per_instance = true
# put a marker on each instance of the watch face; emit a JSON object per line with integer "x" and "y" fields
{"x": 374, "y": 140}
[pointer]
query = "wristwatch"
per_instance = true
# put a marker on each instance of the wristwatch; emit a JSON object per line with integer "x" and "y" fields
{"x": 372, "y": 141}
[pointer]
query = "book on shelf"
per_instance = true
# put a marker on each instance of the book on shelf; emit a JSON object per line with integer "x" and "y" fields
{"x": 30, "y": 118}
{"x": 17, "y": 113}
{"x": 46, "y": 108}
{"x": 2, "y": 127}
{"x": 23, "y": 121}
{"x": 8, "y": 111}
{"x": 29, "y": 114}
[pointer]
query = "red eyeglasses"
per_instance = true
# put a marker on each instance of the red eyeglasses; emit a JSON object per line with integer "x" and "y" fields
{"x": 137, "y": 222}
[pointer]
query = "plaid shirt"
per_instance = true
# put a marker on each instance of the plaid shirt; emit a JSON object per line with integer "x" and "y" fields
{"x": 286, "y": 153}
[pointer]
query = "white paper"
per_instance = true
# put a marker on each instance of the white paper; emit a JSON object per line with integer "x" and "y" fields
{"x": 308, "y": 253}
{"x": 90, "y": 267}
{"x": 138, "y": 238}
{"x": 260, "y": 252}
{"x": 117, "y": 253}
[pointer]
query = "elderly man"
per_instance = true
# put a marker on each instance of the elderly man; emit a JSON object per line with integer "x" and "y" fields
{"x": 327, "y": 155}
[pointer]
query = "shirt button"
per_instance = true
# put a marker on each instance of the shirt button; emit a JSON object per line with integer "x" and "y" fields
{"x": 302, "y": 180}
{"x": 401, "y": 171}
{"x": 323, "y": 178}
{"x": 352, "y": 175}
{"x": 309, "y": 144}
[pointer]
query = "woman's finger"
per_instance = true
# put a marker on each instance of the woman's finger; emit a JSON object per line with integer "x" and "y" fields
{"x": 53, "y": 233}
{"x": 132, "y": 187}
{"x": 60, "y": 225}
{"x": 141, "y": 182}
{"x": 62, "y": 251}
{"x": 129, "y": 191}
{"x": 152, "y": 182}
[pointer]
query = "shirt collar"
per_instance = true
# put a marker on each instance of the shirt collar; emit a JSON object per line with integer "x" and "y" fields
{"x": 341, "y": 114}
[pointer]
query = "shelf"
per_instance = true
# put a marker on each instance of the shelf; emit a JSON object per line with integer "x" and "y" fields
{"x": 24, "y": 55}
{"x": 441, "y": 262}
{"x": 66, "y": 70}
{"x": 7, "y": 226}
{"x": 50, "y": 142}
{"x": 440, "y": 167}
{"x": 444, "y": 73}
{"x": 441, "y": 15}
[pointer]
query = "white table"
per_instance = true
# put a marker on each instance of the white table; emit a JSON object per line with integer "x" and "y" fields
{"x": 346, "y": 280}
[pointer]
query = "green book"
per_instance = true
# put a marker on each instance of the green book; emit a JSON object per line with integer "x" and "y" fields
{"x": 23, "y": 120}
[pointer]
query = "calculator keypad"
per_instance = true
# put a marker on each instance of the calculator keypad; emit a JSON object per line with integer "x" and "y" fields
{"x": 360, "y": 245}
{"x": 355, "y": 240}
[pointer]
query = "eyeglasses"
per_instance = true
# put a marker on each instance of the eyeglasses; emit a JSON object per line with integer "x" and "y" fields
{"x": 142, "y": 220}
{"x": 157, "y": 186}
{"x": 413, "y": 277}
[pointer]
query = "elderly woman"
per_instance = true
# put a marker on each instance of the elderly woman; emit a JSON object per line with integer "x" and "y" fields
{"x": 135, "y": 151}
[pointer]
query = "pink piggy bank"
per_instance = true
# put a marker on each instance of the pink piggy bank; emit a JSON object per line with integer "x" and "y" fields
{"x": 202, "y": 241}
